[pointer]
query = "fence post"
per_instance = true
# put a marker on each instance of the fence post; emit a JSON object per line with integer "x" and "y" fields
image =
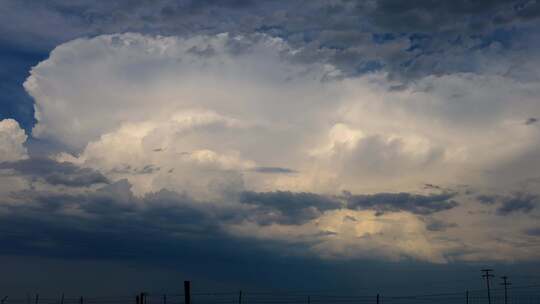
{"x": 62, "y": 299}
{"x": 378, "y": 299}
{"x": 240, "y": 297}
{"x": 164, "y": 299}
{"x": 81, "y": 301}
{"x": 466, "y": 297}
{"x": 37, "y": 298}
{"x": 137, "y": 299}
{"x": 308, "y": 300}
{"x": 187, "y": 292}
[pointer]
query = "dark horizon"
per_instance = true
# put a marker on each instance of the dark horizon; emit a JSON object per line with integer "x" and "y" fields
{"x": 124, "y": 278}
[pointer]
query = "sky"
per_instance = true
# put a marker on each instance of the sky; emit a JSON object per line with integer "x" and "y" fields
{"x": 330, "y": 145}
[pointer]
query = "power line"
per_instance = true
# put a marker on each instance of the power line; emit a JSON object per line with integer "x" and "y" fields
{"x": 303, "y": 297}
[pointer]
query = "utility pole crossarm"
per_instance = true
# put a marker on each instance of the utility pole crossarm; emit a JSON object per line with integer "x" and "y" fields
{"x": 505, "y": 283}
{"x": 487, "y": 276}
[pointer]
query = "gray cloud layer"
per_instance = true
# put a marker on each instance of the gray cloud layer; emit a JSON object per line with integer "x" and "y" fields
{"x": 287, "y": 207}
{"x": 392, "y": 202}
{"x": 407, "y": 38}
{"x": 56, "y": 173}
{"x": 509, "y": 204}
{"x": 110, "y": 221}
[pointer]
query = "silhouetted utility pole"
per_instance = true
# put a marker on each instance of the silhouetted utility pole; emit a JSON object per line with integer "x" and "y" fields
{"x": 37, "y": 298}
{"x": 81, "y": 301}
{"x": 466, "y": 297}
{"x": 378, "y": 299}
{"x": 308, "y": 300}
{"x": 240, "y": 297}
{"x": 62, "y": 299}
{"x": 187, "y": 292}
{"x": 164, "y": 299}
{"x": 505, "y": 283}
{"x": 487, "y": 275}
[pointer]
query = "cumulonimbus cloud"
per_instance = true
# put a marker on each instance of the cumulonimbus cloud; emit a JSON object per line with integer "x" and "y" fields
{"x": 245, "y": 102}
{"x": 205, "y": 117}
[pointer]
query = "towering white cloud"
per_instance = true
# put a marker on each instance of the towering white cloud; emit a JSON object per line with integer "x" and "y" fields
{"x": 133, "y": 101}
{"x": 12, "y": 139}
{"x": 215, "y": 103}
{"x": 201, "y": 116}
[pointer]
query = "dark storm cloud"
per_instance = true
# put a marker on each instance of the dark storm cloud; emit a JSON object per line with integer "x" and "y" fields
{"x": 509, "y": 204}
{"x": 531, "y": 120}
{"x": 286, "y": 207}
{"x": 127, "y": 169}
{"x": 111, "y": 222}
{"x": 310, "y": 16}
{"x": 438, "y": 225}
{"x": 297, "y": 208}
{"x": 429, "y": 16}
{"x": 528, "y": 10}
{"x": 261, "y": 207}
{"x": 487, "y": 199}
{"x": 55, "y": 173}
{"x": 148, "y": 169}
{"x": 105, "y": 201}
{"x": 432, "y": 187}
{"x": 271, "y": 170}
{"x": 353, "y": 35}
{"x": 533, "y": 231}
{"x": 518, "y": 202}
{"x": 394, "y": 202}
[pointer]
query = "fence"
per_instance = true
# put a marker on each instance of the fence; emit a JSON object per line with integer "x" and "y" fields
{"x": 517, "y": 295}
